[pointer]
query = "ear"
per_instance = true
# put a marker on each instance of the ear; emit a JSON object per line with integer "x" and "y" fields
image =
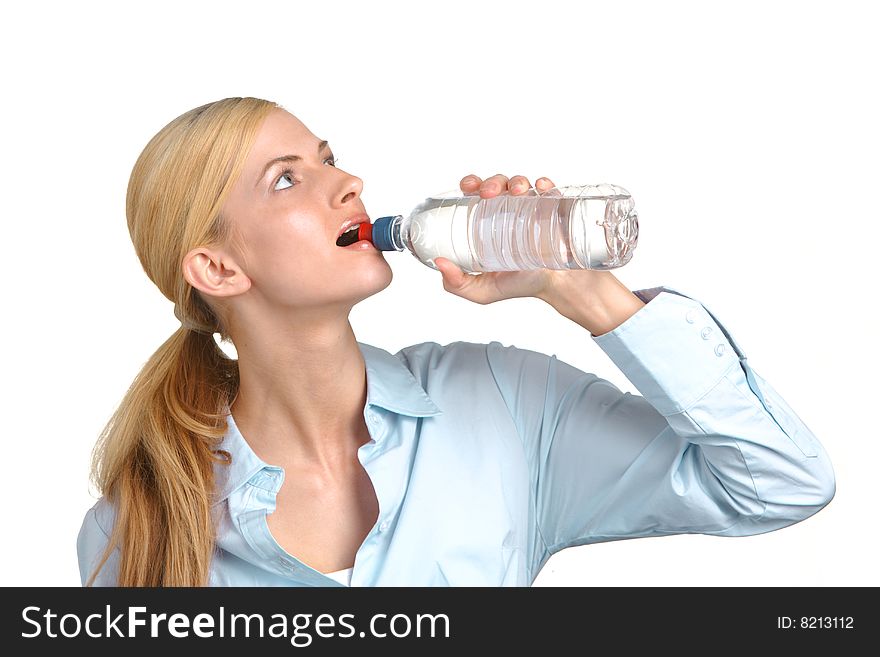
{"x": 214, "y": 272}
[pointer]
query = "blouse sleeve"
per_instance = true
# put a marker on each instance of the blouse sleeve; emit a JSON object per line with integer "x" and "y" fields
{"x": 90, "y": 545}
{"x": 709, "y": 448}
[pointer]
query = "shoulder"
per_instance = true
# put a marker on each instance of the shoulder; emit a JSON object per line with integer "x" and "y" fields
{"x": 459, "y": 358}
{"x": 100, "y": 517}
{"x": 434, "y": 352}
{"x": 476, "y": 351}
{"x": 492, "y": 354}
{"x": 92, "y": 540}
{"x": 503, "y": 364}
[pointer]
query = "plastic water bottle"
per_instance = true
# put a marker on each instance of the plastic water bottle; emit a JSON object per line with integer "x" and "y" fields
{"x": 572, "y": 227}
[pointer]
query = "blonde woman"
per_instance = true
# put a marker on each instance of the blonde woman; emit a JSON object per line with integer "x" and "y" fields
{"x": 317, "y": 460}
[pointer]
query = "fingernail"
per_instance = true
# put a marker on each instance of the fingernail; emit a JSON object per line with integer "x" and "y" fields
{"x": 517, "y": 187}
{"x": 470, "y": 179}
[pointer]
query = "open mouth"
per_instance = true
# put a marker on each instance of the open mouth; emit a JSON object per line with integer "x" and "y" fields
{"x": 350, "y": 236}
{"x": 356, "y": 233}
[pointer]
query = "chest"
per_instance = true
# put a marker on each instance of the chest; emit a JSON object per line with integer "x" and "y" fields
{"x": 324, "y": 524}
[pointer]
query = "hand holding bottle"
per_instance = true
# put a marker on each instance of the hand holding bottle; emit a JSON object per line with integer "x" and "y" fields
{"x": 488, "y": 287}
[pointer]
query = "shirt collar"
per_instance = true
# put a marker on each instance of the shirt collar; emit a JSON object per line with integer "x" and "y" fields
{"x": 390, "y": 385}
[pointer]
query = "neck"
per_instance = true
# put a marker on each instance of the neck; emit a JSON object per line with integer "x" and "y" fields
{"x": 302, "y": 395}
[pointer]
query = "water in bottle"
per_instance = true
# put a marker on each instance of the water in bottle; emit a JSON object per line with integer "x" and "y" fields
{"x": 573, "y": 227}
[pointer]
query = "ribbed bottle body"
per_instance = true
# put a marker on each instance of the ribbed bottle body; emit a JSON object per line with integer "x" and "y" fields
{"x": 574, "y": 227}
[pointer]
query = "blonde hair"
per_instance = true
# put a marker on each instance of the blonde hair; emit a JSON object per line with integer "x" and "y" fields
{"x": 154, "y": 460}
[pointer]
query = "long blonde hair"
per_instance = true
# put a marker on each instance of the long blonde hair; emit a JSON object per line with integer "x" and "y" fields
{"x": 154, "y": 460}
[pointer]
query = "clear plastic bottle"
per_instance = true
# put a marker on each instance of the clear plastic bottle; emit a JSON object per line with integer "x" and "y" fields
{"x": 573, "y": 227}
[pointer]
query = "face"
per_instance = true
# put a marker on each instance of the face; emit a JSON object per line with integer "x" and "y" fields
{"x": 287, "y": 216}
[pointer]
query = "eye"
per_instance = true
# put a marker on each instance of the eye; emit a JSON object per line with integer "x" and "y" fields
{"x": 287, "y": 174}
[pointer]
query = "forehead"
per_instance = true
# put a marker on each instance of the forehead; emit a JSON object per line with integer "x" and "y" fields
{"x": 281, "y": 133}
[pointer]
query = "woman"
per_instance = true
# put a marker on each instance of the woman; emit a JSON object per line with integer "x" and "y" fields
{"x": 316, "y": 460}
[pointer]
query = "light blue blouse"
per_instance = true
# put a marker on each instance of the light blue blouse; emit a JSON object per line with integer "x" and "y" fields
{"x": 486, "y": 459}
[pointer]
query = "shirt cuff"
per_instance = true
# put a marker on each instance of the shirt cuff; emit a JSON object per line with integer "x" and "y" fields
{"x": 673, "y": 350}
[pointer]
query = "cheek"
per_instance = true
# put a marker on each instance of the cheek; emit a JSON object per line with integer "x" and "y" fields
{"x": 288, "y": 240}
{"x": 293, "y": 257}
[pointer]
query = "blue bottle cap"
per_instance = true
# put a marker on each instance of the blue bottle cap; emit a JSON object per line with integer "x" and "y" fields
{"x": 382, "y": 233}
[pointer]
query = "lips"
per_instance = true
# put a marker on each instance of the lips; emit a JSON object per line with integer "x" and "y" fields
{"x": 351, "y": 221}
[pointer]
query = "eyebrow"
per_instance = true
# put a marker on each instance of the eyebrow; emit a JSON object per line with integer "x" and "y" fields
{"x": 286, "y": 158}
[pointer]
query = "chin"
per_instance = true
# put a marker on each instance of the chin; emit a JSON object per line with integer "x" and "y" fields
{"x": 384, "y": 278}
{"x": 375, "y": 279}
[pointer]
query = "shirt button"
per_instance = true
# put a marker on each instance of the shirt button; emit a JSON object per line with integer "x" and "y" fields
{"x": 705, "y": 332}
{"x": 384, "y": 525}
{"x": 690, "y": 315}
{"x": 719, "y": 350}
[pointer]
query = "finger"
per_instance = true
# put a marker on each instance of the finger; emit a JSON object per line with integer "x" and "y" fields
{"x": 494, "y": 185}
{"x": 470, "y": 183}
{"x": 543, "y": 184}
{"x": 519, "y": 185}
{"x": 453, "y": 277}
{"x": 473, "y": 287}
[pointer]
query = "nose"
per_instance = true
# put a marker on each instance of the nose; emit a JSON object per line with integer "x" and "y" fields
{"x": 351, "y": 188}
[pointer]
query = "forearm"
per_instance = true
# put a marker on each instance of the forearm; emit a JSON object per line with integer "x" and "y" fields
{"x": 596, "y": 300}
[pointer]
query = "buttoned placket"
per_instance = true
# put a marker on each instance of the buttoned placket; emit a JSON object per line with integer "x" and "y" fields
{"x": 369, "y": 456}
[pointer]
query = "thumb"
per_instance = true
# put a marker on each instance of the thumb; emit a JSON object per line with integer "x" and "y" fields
{"x": 453, "y": 277}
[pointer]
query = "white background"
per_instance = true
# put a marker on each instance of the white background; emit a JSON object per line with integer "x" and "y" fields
{"x": 747, "y": 134}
